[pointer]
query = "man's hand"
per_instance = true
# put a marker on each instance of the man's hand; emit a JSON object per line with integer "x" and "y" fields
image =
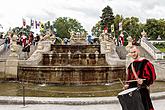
{"x": 125, "y": 86}
{"x": 140, "y": 81}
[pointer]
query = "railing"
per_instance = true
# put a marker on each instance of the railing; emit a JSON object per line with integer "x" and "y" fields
{"x": 152, "y": 50}
{"x": 156, "y": 41}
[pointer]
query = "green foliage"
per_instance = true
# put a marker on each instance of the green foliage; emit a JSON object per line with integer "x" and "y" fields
{"x": 61, "y": 25}
{"x": 160, "y": 46}
{"x": 96, "y": 30}
{"x": 162, "y": 49}
{"x": 64, "y": 25}
{"x": 154, "y": 28}
{"x": 130, "y": 25}
{"x": 20, "y": 30}
{"x": 107, "y": 18}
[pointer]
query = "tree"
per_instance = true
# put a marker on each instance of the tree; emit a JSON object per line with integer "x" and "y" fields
{"x": 64, "y": 25}
{"x": 132, "y": 26}
{"x": 96, "y": 30}
{"x": 20, "y": 30}
{"x": 107, "y": 18}
{"x": 154, "y": 28}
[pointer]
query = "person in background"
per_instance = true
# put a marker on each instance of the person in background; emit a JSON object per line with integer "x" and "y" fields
{"x": 23, "y": 37}
{"x": 89, "y": 39}
{"x": 36, "y": 39}
{"x": 30, "y": 38}
{"x": 66, "y": 40}
{"x": 8, "y": 41}
{"x": 142, "y": 71}
{"x": 28, "y": 49}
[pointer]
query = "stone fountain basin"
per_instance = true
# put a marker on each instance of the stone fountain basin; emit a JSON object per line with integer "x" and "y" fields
{"x": 79, "y": 75}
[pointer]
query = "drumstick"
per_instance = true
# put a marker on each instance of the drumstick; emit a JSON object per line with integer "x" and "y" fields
{"x": 121, "y": 81}
{"x": 133, "y": 80}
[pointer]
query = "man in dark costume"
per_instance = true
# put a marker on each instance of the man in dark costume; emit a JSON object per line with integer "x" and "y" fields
{"x": 141, "y": 70}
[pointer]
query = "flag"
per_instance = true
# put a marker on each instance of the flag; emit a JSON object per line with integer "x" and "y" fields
{"x": 41, "y": 26}
{"x": 32, "y": 23}
{"x": 37, "y": 24}
{"x": 120, "y": 26}
{"x": 112, "y": 28}
{"x": 24, "y": 23}
{"x": 121, "y": 39}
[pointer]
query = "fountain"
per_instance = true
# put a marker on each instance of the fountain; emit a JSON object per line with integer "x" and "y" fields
{"x": 75, "y": 64}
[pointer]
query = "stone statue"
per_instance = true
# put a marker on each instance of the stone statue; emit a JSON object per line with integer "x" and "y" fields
{"x": 144, "y": 35}
{"x": 106, "y": 37}
{"x": 14, "y": 47}
{"x": 107, "y": 43}
{"x": 77, "y": 37}
{"x": 49, "y": 35}
{"x": 130, "y": 40}
{"x": 72, "y": 34}
{"x": 128, "y": 58}
{"x": 108, "y": 47}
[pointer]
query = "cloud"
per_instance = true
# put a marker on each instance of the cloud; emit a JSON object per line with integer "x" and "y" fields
{"x": 143, "y": 9}
{"x": 87, "y": 12}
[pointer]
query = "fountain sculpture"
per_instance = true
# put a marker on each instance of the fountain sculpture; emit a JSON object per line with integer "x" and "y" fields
{"x": 77, "y": 63}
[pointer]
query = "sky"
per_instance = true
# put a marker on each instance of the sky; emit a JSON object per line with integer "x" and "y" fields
{"x": 87, "y": 12}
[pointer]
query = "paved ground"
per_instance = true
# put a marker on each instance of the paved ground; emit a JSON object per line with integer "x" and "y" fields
{"x": 158, "y": 104}
{"x": 92, "y": 103}
{"x": 69, "y": 101}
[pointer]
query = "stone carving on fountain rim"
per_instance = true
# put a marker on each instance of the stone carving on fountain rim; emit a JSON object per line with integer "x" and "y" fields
{"x": 130, "y": 40}
{"x": 107, "y": 43}
{"x": 14, "y": 47}
{"x": 107, "y": 37}
{"x": 108, "y": 47}
{"x": 49, "y": 36}
{"x": 77, "y": 37}
{"x": 128, "y": 58}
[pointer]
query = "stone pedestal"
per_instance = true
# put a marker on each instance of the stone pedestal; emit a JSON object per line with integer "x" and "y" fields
{"x": 11, "y": 66}
{"x": 108, "y": 48}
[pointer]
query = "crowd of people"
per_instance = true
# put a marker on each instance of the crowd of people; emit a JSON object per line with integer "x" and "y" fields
{"x": 22, "y": 39}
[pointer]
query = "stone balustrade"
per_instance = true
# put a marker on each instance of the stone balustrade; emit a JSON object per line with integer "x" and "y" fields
{"x": 152, "y": 50}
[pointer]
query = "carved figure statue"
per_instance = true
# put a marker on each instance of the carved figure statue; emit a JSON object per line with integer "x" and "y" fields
{"x": 106, "y": 37}
{"x": 130, "y": 40}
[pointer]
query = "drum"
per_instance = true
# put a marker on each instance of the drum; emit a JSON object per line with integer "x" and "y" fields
{"x": 130, "y": 99}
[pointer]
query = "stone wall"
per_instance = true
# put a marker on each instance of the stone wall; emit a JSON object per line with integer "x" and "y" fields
{"x": 71, "y": 74}
{"x": 36, "y": 57}
{"x": 160, "y": 72}
{"x": 2, "y": 68}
